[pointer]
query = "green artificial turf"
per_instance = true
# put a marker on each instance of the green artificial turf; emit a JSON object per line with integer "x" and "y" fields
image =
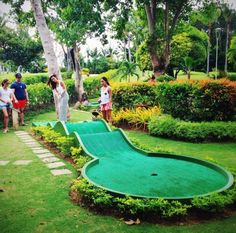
{"x": 35, "y": 201}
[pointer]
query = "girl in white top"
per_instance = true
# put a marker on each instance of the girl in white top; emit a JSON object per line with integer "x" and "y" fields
{"x": 6, "y": 98}
{"x": 59, "y": 89}
{"x": 106, "y": 100}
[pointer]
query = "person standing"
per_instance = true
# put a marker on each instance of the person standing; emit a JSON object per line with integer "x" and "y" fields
{"x": 21, "y": 94}
{"x": 59, "y": 89}
{"x": 106, "y": 100}
{"x": 6, "y": 98}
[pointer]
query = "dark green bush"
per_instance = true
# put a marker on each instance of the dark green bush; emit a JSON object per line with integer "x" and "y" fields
{"x": 130, "y": 95}
{"x": 202, "y": 101}
{"x": 166, "y": 126}
{"x": 232, "y": 76}
{"x": 165, "y": 78}
{"x": 92, "y": 85}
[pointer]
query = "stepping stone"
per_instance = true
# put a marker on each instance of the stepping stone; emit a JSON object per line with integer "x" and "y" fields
{"x": 50, "y": 160}
{"x": 41, "y": 151}
{"x": 29, "y": 140}
{"x": 3, "y": 162}
{"x": 37, "y": 148}
{"x": 32, "y": 144}
{"x": 58, "y": 172}
{"x": 22, "y": 162}
{"x": 55, "y": 165}
{"x": 46, "y": 155}
{"x": 21, "y": 133}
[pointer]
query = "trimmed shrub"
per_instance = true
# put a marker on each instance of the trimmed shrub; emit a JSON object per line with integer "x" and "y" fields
{"x": 131, "y": 95}
{"x": 165, "y": 78}
{"x": 198, "y": 101}
{"x": 137, "y": 118}
{"x": 166, "y": 126}
{"x": 92, "y": 85}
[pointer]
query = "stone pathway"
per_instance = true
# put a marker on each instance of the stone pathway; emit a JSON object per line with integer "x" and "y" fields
{"x": 45, "y": 155}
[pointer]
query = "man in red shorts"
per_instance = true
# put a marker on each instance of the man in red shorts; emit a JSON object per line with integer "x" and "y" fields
{"x": 21, "y": 94}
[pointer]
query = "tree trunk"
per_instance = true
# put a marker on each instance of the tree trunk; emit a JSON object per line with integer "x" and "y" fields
{"x": 47, "y": 43}
{"x": 226, "y": 47}
{"x": 46, "y": 38}
{"x": 79, "y": 87}
{"x": 208, "y": 49}
{"x": 188, "y": 73}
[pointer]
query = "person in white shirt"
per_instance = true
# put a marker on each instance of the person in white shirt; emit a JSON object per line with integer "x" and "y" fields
{"x": 106, "y": 100}
{"x": 6, "y": 98}
{"x": 59, "y": 89}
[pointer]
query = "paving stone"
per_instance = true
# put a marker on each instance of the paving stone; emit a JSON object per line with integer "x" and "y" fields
{"x": 58, "y": 172}
{"x": 55, "y": 165}
{"x": 38, "y": 147}
{"x": 32, "y": 144}
{"x": 22, "y": 162}
{"x": 21, "y": 133}
{"x": 3, "y": 162}
{"x": 50, "y": 160}
{"x": 28, "y": 140}
{"x": 46, "y": 155}
{"x": 41, "y": 151}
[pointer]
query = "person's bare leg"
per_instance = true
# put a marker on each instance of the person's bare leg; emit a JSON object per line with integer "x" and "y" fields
{"x": 6, "y": 120}
{"x": 21, "y": 116}
{"x": 104, "y": 115}
{"x": 109, "y": 116}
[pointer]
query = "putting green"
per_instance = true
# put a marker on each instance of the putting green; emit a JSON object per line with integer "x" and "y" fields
{"x": 121, "y": 168}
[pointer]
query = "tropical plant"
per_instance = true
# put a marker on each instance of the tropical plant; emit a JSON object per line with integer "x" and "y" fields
{"x": 127, "y": 70}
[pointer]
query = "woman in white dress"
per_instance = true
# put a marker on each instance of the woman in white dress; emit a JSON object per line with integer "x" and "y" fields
{"x": 59, "y": 89}
{"x": 6, "y": 98}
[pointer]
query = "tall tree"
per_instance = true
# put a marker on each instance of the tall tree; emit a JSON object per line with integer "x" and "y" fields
{"x": 161, "y": 20}
{"x": 208, "y": 14}
{"x": 74, "y": 21}
{"x": 46, "y": 38}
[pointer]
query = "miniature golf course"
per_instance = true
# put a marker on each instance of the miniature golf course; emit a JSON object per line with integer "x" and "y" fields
{"x": 121, "y": 168}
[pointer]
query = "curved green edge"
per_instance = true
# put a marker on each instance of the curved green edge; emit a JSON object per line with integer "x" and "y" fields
{"x": 61, "y": 128}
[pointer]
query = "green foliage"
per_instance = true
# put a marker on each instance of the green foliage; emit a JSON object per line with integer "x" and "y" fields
{"x": 40, "y": 96}
{"x": 167, "y": 126}
{"x": 19, "y": 48}
{"x": 165, "y": 78}
{"x": 99, "y": 198}
{"x": 131, "y": 95}
{"x": 232, "y": 51}
{"x": 92, "y": 85}
{"x": 143, "y": 57}
{"x": 202, "y": 101}
{"x": 63, "y": 143}
{"x": 216, "y": 202}
{"x": 127, "y": 69}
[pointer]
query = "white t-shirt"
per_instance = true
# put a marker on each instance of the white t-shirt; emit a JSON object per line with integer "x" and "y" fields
{"x": 5, "y": 94}
{"x": 105, "y": 96}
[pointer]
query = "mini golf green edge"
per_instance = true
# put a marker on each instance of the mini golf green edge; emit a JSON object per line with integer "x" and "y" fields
{"x": 119, "y": 167}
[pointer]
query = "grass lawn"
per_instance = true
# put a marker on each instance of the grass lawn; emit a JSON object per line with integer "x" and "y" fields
{"x": 35, "y": 201}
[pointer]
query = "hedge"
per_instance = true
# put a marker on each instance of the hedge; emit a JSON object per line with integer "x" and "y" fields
{"x": 167, "y": 126}
{"x": 92, "y": 85}
{"x": 29, "y": 78}
{"x": 131, "y": 95}
{"x": 198, "y": 101}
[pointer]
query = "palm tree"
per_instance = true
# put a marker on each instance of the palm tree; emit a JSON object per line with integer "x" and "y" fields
{"x": 232, "y": 51}
{"x": 208, "y": 15}
{"x": 228, "y": 15}
{"x": 127, "y": 70}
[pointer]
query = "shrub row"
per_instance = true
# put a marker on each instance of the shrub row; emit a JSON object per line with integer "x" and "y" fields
{"x": 166, "y": 126}
{"x": 29, "y": 79}
{"x": 154, "y": 209}
{"x": 92, "y": 85}
{"x": 195, "y": 101}
{"x": 131, "y": 95}
{"x": 201, "y": 101}
{"x": 137, "y": 118}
